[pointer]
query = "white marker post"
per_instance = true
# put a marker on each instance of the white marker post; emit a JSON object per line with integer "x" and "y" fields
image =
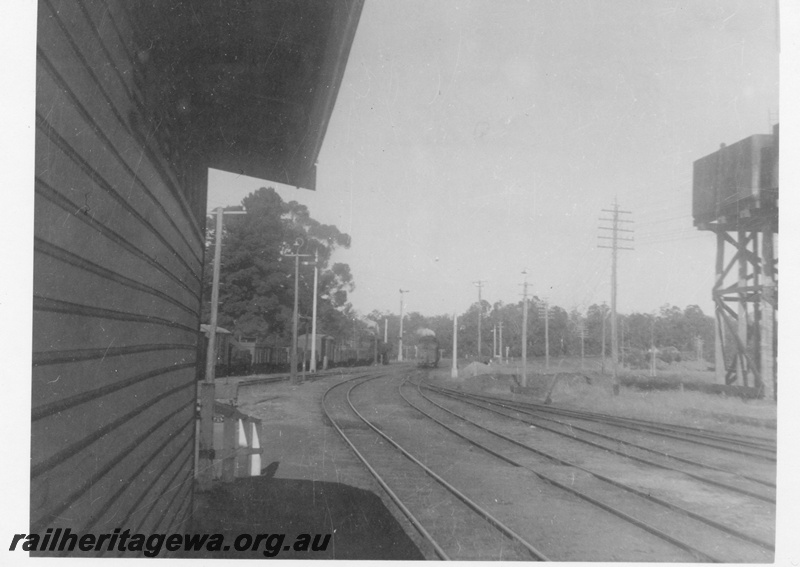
{"x": 454, "y": 369}
{"x": 400, "y": 346}
{"x": 313, "y": 364}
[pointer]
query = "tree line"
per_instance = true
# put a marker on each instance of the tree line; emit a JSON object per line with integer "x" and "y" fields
{"x": 684, "y": 329}
{"x": 257, "y": 294}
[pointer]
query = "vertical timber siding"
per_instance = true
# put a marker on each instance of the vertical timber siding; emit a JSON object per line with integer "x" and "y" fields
{"x": 117, "y": 285}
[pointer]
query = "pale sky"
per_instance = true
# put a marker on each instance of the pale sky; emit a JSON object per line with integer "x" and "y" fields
{"x": 473, "y": 139}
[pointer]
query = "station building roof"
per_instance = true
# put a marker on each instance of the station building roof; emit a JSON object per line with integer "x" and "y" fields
{"x": 244, "y": 86}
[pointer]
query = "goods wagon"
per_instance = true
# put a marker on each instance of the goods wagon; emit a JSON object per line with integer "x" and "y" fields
{"x": 427, "y": 348}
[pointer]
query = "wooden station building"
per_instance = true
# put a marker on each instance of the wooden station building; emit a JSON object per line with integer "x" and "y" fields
{"x": 135, "y": 100}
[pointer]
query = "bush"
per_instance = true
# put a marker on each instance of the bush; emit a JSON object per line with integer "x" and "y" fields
{"x": 669, "y": 355}
{"x": 635, "y": 358}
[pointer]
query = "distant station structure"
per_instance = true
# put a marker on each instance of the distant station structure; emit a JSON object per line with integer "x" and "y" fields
{"x": 735, "y": 195}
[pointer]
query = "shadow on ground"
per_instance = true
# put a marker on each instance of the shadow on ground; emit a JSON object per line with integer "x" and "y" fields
{"x": 359, "y": 524}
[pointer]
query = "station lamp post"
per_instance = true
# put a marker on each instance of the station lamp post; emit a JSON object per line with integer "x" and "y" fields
{"x": 211, "y": 355}
{"x": 205, "y": 447}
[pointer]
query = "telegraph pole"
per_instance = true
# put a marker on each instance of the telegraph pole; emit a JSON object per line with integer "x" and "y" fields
{"x": 525, "y": 330}
{"x": 400, "y": 349}
{"x": 545, "y": 310}
{"x": 582, "y": 334}
{"x": 615, "y": 239}
{"x": 479, "y": 285}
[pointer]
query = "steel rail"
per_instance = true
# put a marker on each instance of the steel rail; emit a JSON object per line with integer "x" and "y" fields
{"x": 532, "y": 413}
{"x": 712, "y": 523}
{"x": 755, "y": 441}
{"x": 394, "y": 497}
{"x": 751, "y": 441}
{"x": 457, "y": 493}
{"x": 664, "y": 431}
{"x": 696, "y": 553}
{"x": 523, "y": 408}
{"x": 464, "y": 398}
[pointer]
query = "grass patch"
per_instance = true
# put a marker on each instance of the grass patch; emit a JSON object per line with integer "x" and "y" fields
{"x": 589, "y": 389}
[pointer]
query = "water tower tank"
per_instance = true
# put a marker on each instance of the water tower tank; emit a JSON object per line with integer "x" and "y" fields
{"x": 735, "y": 178}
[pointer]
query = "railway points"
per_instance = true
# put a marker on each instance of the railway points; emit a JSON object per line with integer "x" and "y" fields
{"x": 613, "y": 501}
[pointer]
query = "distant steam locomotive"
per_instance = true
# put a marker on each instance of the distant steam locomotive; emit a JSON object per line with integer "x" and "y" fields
{"x": 427, "y": 349}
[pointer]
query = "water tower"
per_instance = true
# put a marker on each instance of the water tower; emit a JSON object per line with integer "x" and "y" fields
{"x": 735, "y": 195}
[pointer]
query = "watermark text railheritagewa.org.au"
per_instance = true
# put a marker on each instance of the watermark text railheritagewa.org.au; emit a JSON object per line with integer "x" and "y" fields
{"x": 150, "y": 545}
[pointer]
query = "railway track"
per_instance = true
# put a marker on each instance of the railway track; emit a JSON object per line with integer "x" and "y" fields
{"x": 472, "y": 532}
{"x": 702, "y": 465}
{"x": 751, "y": 446}
{"x": 626, "y": 512}
{"x": 735, "y": 441}
{"x": 517, "y": 442}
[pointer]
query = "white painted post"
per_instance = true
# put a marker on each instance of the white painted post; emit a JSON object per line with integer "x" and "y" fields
{"x": 454, "y": 368}
{"x": 313, "y": 365}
